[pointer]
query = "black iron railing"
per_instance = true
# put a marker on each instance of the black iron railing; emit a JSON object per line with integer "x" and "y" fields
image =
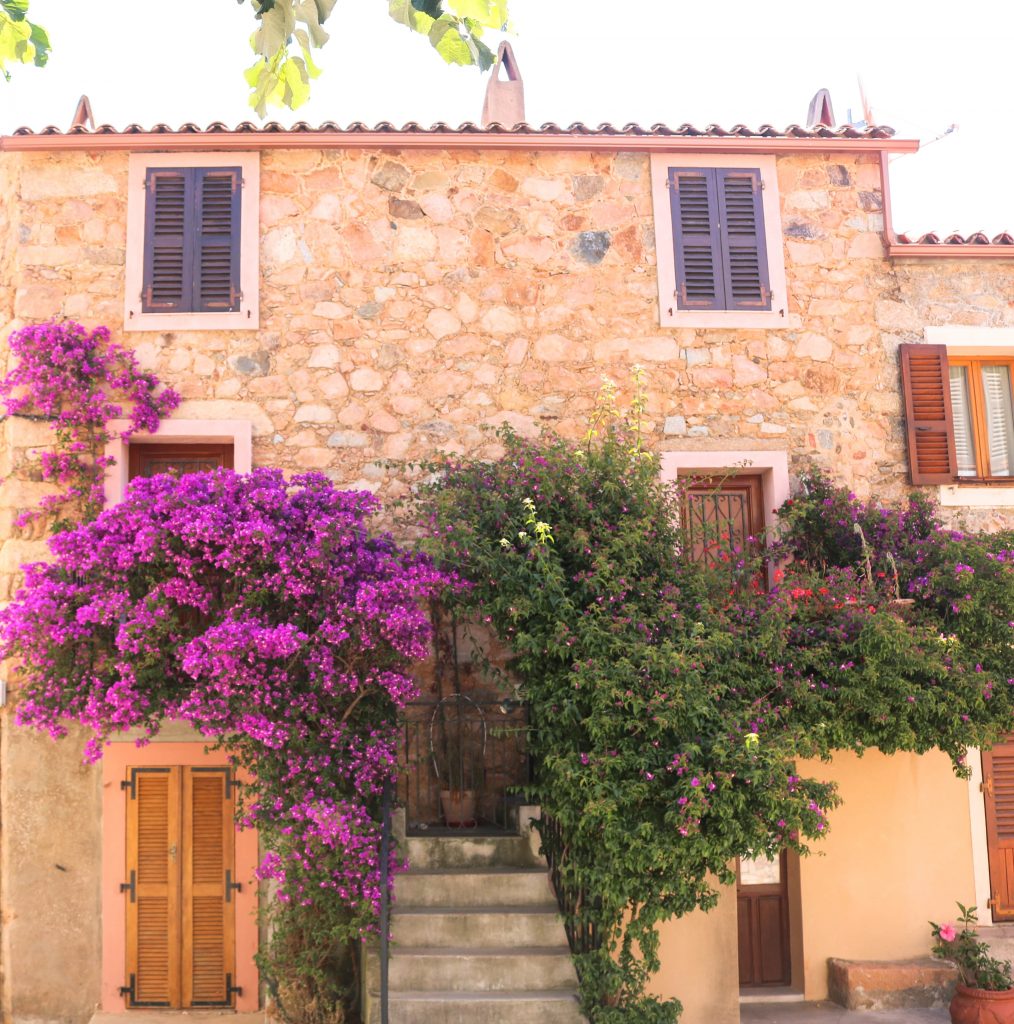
{"x": 385, "y": 898}
{"x": 577, "y": 906}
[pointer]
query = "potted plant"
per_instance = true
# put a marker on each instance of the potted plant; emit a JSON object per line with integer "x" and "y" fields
{"x": 458, "y": 800}
{"x": 457, "y": 748}
{"x": 985, "y": 994}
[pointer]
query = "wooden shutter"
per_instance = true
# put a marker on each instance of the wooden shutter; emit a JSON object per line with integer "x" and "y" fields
{"x": 693, "y": 199}
{"x": 145, "y": 459}
{"x": 929, "y": 420}
{"x": 192, "y": 240}
{"x": 744, "y": 251}
{"x": 217, "y": 242}
{"x": 998, "y": 787}
{"x": 208, "y": 872}
{"x": 152, "y": 887}
{"x": 168, "y": 257}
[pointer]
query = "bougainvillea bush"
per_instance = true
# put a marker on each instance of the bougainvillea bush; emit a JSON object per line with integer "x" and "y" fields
{"x": 671, "y": 699}
{"x": 264, "y": 613}
{"x": 78, "y": 381}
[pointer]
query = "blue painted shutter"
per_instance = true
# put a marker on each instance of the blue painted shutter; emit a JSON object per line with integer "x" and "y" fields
{"x": 217, "y": 242}
{"x": 744, "y": 252}
{"x": 192, "y": 240}
{"x": 693, "y": 199}
{"x": 168, "y": 264}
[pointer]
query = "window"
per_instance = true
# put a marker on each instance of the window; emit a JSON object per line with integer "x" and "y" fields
{"x": 960, "y": 415}
{"x": 718, "y": 240}
{"x": 192, "y": 241}
{"x": 151, "y": 459}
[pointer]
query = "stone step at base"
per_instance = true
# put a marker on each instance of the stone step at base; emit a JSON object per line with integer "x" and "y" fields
{"x": 478, "y": 927}
{"x": 473, "y": 851}
{"x": 464, "y": 887}
{"x": 450, "y": 969}
{"x": 554, "y": 1007}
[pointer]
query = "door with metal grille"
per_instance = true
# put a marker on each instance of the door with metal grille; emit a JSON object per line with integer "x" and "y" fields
{"x": 723, "y": 515}
{"x": 180, "y": 918}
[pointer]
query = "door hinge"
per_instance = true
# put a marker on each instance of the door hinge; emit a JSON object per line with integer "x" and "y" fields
{"x": 986, "y": 786}
{"x": 230, "y": 988}
{"x": 128, "y": 990}
{"x": 230, "y": 885}
{"x": 993, "y": 902}
{"x": 130, "y": 887}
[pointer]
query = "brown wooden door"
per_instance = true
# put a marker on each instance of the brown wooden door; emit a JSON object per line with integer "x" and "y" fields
{"x": 148, "y": 459}
{"x": 180, "y": 881}
{"x": 763, "y": 909}
{"x": 723, "y": 513}
{"x": 998, "y": 790}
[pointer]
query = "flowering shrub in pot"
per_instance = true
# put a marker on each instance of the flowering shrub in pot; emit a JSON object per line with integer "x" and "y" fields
{"x": 986, "y": 992}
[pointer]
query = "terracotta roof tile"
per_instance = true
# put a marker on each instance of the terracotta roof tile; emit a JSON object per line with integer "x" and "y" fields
{"x": 765, "y": 131}
{"x": 976, "y": 238}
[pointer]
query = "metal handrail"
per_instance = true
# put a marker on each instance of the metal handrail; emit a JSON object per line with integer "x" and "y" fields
{"x": 385, "y": 897}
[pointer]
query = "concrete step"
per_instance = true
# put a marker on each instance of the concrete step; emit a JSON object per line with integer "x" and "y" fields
{"x": 480, "y": 1008}
{"x": 465, "y": 969}
{"x": 469, "y": 887}
{"x": 525, "y": 926}
{"x": 472, "y": 852}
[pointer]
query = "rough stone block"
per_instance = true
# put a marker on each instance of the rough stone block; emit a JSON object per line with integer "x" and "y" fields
{"x": 887, "y": 984}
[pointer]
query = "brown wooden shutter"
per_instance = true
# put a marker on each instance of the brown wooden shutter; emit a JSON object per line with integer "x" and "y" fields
{"x": 929, "y": 420}
{"x": 148, "y": 459}
{"x": 744, "y": 251}
{"x": 693, "y": 200}
{"x": 167, "y": 282}
{"x": 998, "y": 787}
{"x": 208, "y": 874}
{"x": 217, "y": 242}
{"x": 153, "y": 842}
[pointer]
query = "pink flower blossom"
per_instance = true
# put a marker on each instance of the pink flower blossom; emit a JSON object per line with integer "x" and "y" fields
{"x": 948, "y": 932}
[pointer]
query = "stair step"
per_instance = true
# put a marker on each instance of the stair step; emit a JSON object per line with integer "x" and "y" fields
{"x": 550, "y": 1007}
{"x": 523, "y": 926}
{"x": 465, "y": 969}
{"x": 471, "y": 851}
{"x": 463, "y": 887}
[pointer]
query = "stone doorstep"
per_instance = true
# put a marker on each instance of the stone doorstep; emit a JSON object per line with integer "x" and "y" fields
{"x": 887, "y": 984}
{"x": 189, "y": 1016}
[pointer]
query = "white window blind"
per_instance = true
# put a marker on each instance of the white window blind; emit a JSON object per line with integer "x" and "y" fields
{"x": 999, "y": 419}
{"x": 964, "y": 439}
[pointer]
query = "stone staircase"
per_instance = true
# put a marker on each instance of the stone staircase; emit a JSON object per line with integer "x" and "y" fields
{"x": 476, "y": 938}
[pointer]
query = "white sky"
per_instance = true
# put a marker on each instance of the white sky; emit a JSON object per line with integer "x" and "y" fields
{"x": 924, "y": 66}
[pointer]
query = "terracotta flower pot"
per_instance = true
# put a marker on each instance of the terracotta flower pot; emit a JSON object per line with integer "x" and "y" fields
{"x": 459, "y": 807}
{"x": 977, "y": 1006}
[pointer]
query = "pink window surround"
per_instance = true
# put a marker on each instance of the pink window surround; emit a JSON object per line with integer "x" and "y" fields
{"x": 116, "y": 759}
{"x": 247, "y": 318}
{"x": 118, "y": 756}
{"x": 238, "y": 433}
{"x": 772, "y": 466}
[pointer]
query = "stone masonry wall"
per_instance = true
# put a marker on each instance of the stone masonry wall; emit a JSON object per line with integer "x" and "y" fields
{"x": 412, "y": 301}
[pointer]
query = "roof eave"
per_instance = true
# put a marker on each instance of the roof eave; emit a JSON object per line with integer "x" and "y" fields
{"x": 947, "y": 251}
{"x": 230, "y": 141}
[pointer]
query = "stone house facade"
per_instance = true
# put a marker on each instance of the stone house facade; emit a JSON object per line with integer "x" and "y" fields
{"x": 403, "y": 291}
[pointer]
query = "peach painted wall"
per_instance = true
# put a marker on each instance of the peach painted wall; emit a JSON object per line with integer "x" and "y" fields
{"x": 115, "y": 760}
{"x": 898, "y": 854}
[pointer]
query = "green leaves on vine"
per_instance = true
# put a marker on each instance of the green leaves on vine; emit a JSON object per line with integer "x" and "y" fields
{"x": 21, "y": 41}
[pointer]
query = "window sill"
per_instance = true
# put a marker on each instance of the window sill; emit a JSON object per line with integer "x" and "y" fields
{"x": 730, "y": 319}
{"x": 978, "y": 494}
{"x": 244, "y": 320}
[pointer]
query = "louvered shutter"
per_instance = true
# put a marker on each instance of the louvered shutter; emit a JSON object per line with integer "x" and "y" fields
{"x": 167, "y": 284}
{"x": 153, "y": 945}
{"x": 208, "y": 873}
{"x": 964, "y": 431}
{"x": 998, "y": 785}
{"x": 744, "y": 252}
{"x": 999, "y": 420}
{"x": 925, "y": 382}
{"x": 217, "y": 241}
{"x": 693, "y": 200}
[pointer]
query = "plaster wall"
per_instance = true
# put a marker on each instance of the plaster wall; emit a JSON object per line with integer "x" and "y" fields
{"x": 898, "y": 855}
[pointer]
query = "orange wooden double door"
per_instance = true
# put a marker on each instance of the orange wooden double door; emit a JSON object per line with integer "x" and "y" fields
{"x": 998, "y": 791}
{"x": 181, "y": 921}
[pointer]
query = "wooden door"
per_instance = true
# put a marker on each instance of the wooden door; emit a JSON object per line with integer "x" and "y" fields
{"x": 763, "y": 908}
{"x": 148, "y": 459}
{"x": 180, "y": 880}
{"x": 723, "y": 513}
{"x": 998, "y": 790}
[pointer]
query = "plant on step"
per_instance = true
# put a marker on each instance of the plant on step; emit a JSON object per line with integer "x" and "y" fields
{"x": 78, "y": 381}
{"x": 266, "y": 614}
{"x": 670, "y": 698}
{"x": 970, "y": 955}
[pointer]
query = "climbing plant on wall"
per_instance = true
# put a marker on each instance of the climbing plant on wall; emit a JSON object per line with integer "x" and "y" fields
{"x": 671, "y": 698}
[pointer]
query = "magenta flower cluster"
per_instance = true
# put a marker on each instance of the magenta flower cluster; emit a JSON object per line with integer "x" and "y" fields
{"x": 79, "y": 381}
{"x": 265, "y": 614}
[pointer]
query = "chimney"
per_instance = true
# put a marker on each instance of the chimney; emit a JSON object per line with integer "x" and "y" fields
{"x": 505, "y": 99}
{"x": 83, "y": 115}
{"x": 820, "y": 114}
